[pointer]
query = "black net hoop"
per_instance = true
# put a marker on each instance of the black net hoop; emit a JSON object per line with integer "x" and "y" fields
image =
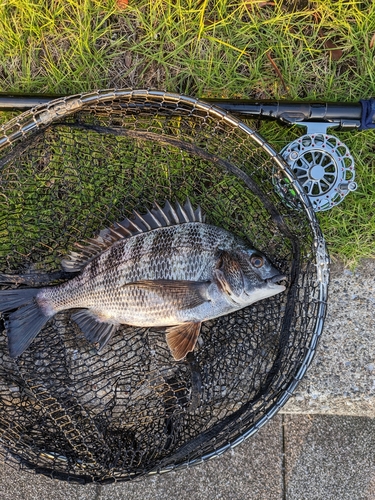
{"x": 80, "y": 163}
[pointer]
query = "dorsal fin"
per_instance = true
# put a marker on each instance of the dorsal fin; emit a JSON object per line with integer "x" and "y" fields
{"x": 155, "y": 218}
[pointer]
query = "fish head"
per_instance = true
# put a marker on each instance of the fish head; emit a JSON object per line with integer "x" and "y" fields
{"x": 246, "y": 276}
{"x": 261, "y": 278}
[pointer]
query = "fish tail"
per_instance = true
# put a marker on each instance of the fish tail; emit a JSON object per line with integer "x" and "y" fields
{"x": 24, "y": 318}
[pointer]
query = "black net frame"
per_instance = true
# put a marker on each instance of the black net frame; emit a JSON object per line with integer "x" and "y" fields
{"x": 77, "y": 164}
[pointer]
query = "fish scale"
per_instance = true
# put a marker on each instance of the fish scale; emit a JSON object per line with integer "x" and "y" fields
{"x": 142, "y": 258}
{"x": 167, "y": 268}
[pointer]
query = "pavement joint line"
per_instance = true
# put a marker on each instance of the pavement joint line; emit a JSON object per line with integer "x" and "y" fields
{"x": 283, "y": 457}
{"x": 98, "y": 492}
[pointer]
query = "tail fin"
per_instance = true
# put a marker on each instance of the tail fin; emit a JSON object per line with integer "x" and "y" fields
{"x": 23, "y": 324}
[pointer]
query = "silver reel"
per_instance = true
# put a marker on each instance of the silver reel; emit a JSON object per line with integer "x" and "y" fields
{"x": 324, "y": 167}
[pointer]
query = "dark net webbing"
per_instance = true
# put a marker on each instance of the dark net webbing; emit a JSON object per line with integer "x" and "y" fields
{"x": 65, "y": 409}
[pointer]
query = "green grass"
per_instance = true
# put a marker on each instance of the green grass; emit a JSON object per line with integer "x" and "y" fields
{"x": 209, "y": 49}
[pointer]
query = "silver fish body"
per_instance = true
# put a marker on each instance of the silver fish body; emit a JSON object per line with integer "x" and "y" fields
{"x": 166, "y": 268}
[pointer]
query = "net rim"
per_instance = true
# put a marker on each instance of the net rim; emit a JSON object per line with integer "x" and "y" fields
{"x": 41, "y": 116}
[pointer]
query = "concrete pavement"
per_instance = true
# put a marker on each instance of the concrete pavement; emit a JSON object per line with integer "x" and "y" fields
{"x": 294, "y": 457}
{"x": 341, "y": 379}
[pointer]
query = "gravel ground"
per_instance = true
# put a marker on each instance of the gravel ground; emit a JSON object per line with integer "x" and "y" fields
{"x": 341, "y": 379}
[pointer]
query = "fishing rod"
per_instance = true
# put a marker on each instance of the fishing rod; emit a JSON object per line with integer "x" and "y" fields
{"x": 321, "y": 162}
{"x": 359, "y": 115}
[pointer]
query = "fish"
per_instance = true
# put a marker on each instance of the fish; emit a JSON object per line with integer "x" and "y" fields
{"x": 166, "y": 268}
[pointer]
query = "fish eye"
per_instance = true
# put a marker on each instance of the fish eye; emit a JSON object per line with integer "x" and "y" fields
{"x": 257, "y": 261}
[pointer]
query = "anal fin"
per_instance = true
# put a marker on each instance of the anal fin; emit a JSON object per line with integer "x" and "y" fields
{"x": 95, "y": 330}
{"x": 181, "y": 339}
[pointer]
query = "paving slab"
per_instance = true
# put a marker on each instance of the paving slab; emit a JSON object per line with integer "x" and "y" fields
{"x": 341, "y": 379}
{"x": 293, "y": 457}
{"x": 251, "y": 471}
{"x": 329, "y": 457}
{"x": 18, "y": 484}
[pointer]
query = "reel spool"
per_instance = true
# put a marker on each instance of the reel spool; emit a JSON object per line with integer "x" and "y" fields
{"x": 324, "y": 167}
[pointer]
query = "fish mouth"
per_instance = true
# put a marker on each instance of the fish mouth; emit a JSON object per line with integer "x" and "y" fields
{"x": 272, "y": 287}
{"x": 276, "y": 278}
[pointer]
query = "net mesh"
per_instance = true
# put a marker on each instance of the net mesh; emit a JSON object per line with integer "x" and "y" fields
{"x": 75, "y": 166}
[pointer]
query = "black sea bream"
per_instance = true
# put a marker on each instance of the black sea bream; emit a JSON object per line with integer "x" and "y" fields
{"x": 167, "y": 268}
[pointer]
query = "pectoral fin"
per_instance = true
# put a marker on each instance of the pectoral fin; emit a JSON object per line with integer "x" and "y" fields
{"x": 181, "y": 339}
{"x": 184, "y": 294}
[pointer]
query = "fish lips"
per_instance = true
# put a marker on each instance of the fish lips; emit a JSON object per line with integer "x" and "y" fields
{"x": 273, "y": 283}
{"x": 268, "y": 288}
{"x": 276, "y": 278}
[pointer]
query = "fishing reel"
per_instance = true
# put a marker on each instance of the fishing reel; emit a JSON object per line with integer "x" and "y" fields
{"x": 321, "y": 162}
{"x": 323, "y": 166}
